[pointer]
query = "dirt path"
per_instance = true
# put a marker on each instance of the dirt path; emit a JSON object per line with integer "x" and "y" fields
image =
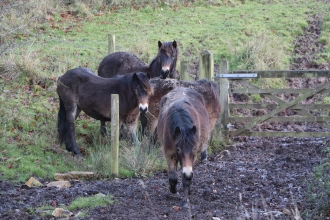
{"x": 256, "y": 178}
{"x": 269, "y": 177}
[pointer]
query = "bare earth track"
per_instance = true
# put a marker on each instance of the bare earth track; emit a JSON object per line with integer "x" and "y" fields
{"x": 256, "y": 178}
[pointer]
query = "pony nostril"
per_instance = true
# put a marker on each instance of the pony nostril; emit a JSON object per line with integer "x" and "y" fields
{"x": 143, "y": 110}
{"x": 164, "y": 74}
{"x": 188, "y": 176}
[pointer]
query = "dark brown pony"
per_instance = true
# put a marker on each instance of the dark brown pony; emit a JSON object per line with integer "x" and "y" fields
{"x": 163, "y": 65}
{"x": 80, "y": 90}
{"x": 183, "y": 130}
{"x": 208, "y": 89}
{"x": 120, "y": 63}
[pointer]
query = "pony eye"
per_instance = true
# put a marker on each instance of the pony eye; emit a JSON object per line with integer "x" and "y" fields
{"x": 178, "y": 150}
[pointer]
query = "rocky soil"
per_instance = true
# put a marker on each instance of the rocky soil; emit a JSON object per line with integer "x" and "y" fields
{"x": 254, "y": 178}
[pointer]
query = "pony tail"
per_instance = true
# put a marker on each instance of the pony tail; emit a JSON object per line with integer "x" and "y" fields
{"x": 61, "y": 123}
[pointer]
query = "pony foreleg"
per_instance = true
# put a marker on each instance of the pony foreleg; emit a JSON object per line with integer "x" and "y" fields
{"x": 172, "y": 178}
{"x": 132, "y": 128}
{"x": 103, "y": 129}
{"x": 186, "y": 182}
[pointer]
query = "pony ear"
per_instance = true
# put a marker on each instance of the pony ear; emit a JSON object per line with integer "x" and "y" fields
{"x": 177, "y": 132}
{"x": 193, "y": 129}
{"x": 174, "y": 44}
{"x": 159, "y": 44}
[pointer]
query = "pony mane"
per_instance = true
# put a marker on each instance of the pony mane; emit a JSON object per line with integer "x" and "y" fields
{"x": 167, "y": 46}
{"x": 153, "y": 61}
{"x": 182, "y": 119}
{"x": 147, "y": 86}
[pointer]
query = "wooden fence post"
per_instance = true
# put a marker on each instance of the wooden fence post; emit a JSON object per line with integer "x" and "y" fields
{"x": 224, "y": 99}
{"x": 115, "y": 132}
{"x": 183, "y": 70}
{"x": 206, "y": 65}
{"x": 111, "y": 43}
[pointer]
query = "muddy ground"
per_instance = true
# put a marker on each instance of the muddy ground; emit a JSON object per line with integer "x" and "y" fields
{"x": 254, "y": 179}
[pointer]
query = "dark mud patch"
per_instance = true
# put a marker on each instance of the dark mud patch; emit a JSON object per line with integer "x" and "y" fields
{"x": 256, "y": 177}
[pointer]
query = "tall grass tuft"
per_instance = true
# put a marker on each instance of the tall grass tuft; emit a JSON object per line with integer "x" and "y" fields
{"x": 25, "y": 64}
{"x": 143, "y": 160}
{"x": 217, "y": 142}
{"x": 133, "y": 160}
{"x": 100, "y": 154}
{"x": 263, "y": 51}
{"x": 19, "y": 18}
{"x": 319, "y": 191}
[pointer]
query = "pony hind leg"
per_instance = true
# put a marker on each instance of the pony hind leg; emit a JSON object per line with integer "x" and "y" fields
{"x": 204, "y": 155}
{"x": 70, "y": 140}
{"x": 66, "y": 127}
{"x": 204, "y": 148}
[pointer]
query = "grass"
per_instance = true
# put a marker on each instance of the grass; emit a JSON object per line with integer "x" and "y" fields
{"x": 70, "y": 43}
{"x": 81, "y": 204}
{"x": 91, "y": 202}
{"x": 324, "y": 56}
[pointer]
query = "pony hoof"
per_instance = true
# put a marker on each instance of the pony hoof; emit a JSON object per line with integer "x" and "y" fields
{"x": 204, "y": 156}
{"x": 103, "y": 132}
{"x": 204, "y": 161}
{"x": 185, "y": 203}
{"x": 79, "y": 156}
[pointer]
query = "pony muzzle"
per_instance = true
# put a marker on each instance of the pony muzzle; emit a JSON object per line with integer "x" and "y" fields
{"x": 143, "y": 108}
{"x": 187, "y": 172}
{"x": 165, "y": 72}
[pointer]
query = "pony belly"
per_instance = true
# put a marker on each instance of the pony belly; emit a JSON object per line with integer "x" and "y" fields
{"x": 98, "y": 115}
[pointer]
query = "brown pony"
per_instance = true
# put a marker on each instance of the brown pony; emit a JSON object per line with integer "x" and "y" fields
{"x": 80, "y": 90}
{"x": 163, "y": 65}
{"x": 183, "y": 130}
{"x": 208, "y": 89}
